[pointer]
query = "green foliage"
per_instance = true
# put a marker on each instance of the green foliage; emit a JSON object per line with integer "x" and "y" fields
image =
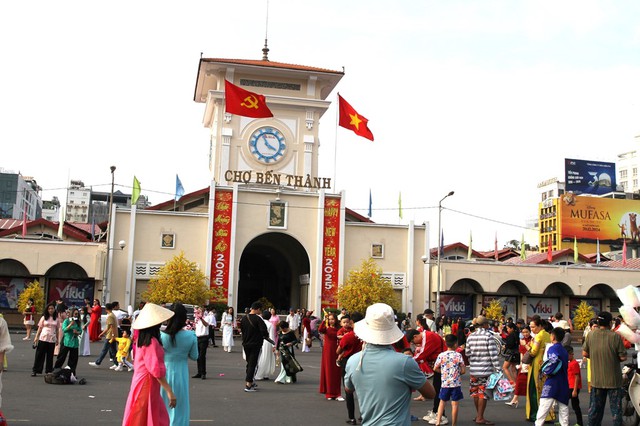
{"x": 493, "y": 310}
{"x": 266, "y": 304}
{"x": 180, "y": 280}
{"x": 583, "y": 314}
{"x": 32, "y": 291}
{"x": 365, "y": 287}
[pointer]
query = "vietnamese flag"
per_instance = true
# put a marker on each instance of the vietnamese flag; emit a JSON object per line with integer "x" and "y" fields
{"x": 350, "y": 119}
{"x": 550, "y": 251}
{"x": 245, "y": 103}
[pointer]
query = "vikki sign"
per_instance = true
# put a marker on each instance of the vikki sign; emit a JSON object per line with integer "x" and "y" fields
{"x": 278, "y": 179}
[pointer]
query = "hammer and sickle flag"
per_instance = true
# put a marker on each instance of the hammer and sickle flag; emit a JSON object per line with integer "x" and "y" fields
{"x": 350, "y": 119}
{"x": 245, "y": 103}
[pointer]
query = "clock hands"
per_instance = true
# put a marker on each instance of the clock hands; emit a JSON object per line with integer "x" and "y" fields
{"x": 267, "y": 144}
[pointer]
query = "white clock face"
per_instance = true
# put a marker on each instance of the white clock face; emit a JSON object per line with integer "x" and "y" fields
{"x": 267, "y": 144}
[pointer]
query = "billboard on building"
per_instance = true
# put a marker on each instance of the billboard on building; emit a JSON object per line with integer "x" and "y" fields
{"x": 72, "y": 292}
{"x": 457, "y": 305}
{"x": 589, "y": 177}
{"x": 10, "y": 289}
{"x": 606, "y": 219}
{"x": 543, "y": 306}
{"x": 596, "y": 304}
{"x": 509, "y": 304}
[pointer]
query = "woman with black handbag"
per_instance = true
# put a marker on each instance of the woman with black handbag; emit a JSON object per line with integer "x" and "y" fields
{"x": 289, "y": 366}
{"x": 511, "y": 352}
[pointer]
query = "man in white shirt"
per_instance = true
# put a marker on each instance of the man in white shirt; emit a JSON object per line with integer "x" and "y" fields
{"x": 293, "y": 319}
{"x": 431, "y": 323}
{"x": 202, "y": 321}
{"x": 212, "y": 326}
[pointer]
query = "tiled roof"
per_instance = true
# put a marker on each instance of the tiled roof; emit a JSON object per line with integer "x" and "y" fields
{"x": 10, "y": 223}
{"x": 631, "y": 264}
{"x": 448, "y": 247}
{"x": 271, "y": 64}
{"x": 67, "y": 229}
{"x": 168, "y": 205}
{"x": 352, "y": 216}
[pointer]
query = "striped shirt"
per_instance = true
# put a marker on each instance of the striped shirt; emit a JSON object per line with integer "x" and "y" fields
{"x": 482, "y": 353}
{"x": 605, "y": 349}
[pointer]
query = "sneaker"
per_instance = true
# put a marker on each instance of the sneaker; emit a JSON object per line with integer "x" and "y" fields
{"x": 113, "y": 367}
{"x": 119, "y": 368}
{"x": 340, "y": 399}
{"x": 250, "y": 389}
{"x": 430, "y": 416}
{"x": 443, "y": 421}
{"x": 93, "y": 364}
{"x": 129, "y": 369}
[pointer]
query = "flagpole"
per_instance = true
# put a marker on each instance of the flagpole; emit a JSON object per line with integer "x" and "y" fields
{"x": 335, "y": 146}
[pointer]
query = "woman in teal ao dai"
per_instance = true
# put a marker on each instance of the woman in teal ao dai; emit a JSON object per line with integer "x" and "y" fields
{"x": 179, "y": 346}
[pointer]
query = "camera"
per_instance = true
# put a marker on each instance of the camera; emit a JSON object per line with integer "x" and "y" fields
{"x": 74, "y": 319}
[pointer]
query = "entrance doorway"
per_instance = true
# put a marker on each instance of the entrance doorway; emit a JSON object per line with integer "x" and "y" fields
{"x": 273, "y": 266}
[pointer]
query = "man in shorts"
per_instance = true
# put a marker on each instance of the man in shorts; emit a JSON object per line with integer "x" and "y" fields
{"x": 483, "y": 360}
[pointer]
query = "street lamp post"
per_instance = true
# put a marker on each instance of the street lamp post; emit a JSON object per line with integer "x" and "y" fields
{"x": 439, "y": 248}
{"x": 105, "y": 285}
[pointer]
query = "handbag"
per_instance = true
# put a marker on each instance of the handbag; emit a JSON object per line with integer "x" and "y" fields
{"x": 289, "y": 362}
{"x": 527, "y": 358}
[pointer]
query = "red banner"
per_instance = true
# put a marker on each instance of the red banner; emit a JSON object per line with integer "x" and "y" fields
{"x": 330, "y": 252}
{"x": 221, "y": 248}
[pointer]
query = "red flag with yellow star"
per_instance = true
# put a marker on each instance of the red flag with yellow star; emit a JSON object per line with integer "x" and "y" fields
{"x": 245, "y": 103}
{"x": 350, "y": 119}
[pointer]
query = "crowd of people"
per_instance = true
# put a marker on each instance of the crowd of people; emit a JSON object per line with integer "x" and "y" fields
{"x": 359, "y": 354}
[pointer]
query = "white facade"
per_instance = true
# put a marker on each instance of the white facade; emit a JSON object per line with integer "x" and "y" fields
{"x": 78, "y": 203}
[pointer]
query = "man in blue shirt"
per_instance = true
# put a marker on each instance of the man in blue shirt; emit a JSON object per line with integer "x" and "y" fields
{"x": 382, "y": 377}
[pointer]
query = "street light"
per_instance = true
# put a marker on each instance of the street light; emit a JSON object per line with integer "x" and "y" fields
{"x": 439, "y": 248}
{"x": 105, "y": 286}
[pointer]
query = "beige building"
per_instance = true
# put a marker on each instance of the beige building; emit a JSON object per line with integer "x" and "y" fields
{"x": 268, "y": 225}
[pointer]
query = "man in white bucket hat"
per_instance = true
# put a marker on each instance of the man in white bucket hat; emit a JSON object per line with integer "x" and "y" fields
{"x": 382, "y": 377}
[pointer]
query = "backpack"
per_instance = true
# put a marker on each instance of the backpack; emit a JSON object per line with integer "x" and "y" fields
{"x": 59, "y": 376}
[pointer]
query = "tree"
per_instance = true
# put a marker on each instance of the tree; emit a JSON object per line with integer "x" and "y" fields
{"x": 513, "y": 244}
{"x": 365, "y": 287}
{"x": 180, "y": 280}
{"x": 493, "y": 310}
{"x": 32, "y": 291}
{"x": 582, "y": 315}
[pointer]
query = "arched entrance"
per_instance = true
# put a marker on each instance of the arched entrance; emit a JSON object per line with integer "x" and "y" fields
{"x": 272, "y": 266}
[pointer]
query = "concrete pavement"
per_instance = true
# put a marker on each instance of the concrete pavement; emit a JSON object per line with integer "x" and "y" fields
{"x": 218, "y": 400}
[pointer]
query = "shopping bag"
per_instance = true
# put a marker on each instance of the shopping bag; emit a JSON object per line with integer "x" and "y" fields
{"x": 493, "y": 380}
{"x": 504, "y": 386}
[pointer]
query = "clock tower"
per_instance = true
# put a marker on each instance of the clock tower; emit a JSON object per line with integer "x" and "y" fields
{"x": 272, "y": 150}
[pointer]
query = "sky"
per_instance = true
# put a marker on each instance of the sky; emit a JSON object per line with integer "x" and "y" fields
{"x": 482, "y": 98}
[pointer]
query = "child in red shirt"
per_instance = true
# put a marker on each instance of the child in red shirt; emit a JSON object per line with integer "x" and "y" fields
{"x": 575, "y": 384}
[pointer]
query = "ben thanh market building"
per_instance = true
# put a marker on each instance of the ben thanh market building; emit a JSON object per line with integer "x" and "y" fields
{"x": 269, "y": 225}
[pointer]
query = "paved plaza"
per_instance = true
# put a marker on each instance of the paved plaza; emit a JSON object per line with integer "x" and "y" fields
{"x": 218, "y": 400}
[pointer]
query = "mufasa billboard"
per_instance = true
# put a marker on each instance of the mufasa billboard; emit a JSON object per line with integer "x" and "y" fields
{"x": 606, "y": 219}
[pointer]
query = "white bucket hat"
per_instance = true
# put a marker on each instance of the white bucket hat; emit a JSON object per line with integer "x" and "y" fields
{"x": 151, "y": 315}
{"x": 378, "y": 326}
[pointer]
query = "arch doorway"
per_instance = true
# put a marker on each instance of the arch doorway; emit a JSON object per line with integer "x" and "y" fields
{"x": 273, "y": 266}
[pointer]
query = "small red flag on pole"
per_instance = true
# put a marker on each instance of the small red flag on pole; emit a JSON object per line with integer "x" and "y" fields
{"x": 550, "y": 250}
